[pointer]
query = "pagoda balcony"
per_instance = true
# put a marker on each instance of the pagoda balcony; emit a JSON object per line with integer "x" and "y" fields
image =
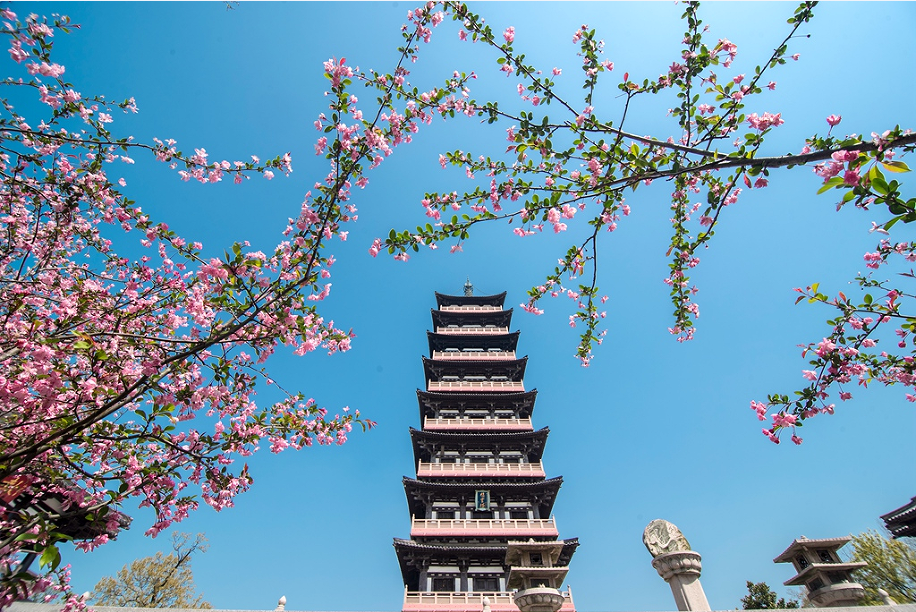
{"x": 475, "y": 385}
{"x": 472, "y": 331}
{"x": 483, "y": 527}
{"x": 477, "y": 424}
{"x": 475, "y": 470}
{"x": 443, "y": 601}
{"x": 470, "y": 308}
{"x": 474, "y": 355}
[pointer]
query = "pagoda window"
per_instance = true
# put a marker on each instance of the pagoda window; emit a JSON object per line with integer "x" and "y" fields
{"x": 444, "y": 514}
{"x": 479, "y": 514}
{"x": 824, "y": 555}
{"x": 518, "y": 514}
{"x": 500, "y": 378}
{"x": 442, "y": 583}
{"x": 801, "y": 562}
{"x": 535, "y": 558}
{"x": 836, "y": 577}
{"x": 815, "y": 584}
{"x": 484, "y": 584}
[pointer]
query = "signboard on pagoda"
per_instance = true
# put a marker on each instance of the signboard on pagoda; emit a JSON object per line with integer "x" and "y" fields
{"x": 12, "y": 486}
{"x": 482, "y": 501}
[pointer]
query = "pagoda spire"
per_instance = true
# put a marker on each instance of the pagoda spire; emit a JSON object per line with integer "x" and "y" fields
{"x": 468, "y": 288}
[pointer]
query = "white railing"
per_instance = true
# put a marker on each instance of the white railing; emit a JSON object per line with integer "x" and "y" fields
{"x": 500, "y": 601}
{"x": 474, "y": 355}
{"x": 477, "y": 424}
{"x": 475, "y": 385}
{"x": 470, "y": 308}
{"x": 480, "y": 469}
{"x": 519, "y": 527}
{"x": 476, "y": 331}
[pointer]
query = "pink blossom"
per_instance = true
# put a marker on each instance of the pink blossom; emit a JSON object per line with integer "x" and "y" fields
{"x": 509, "y": 34}
{"x": 834, "y": 120}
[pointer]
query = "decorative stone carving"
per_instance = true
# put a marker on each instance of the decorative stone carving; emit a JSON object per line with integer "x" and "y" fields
{"x": 677, "y": 564}
{"x": 662, "y": 537}
{"x": 685, "y": 562}
{"x": 539, "y": 599}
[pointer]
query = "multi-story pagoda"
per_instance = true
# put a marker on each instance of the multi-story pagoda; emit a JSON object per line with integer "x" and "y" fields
{"x": 481, "y": 529}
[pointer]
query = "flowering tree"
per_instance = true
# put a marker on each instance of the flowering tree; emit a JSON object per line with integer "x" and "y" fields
{"x": 578, "y": 163}
{"x": 135, "y": 376}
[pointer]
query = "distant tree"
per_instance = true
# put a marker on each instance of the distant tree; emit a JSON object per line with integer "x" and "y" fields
{"x": 891, "y": 566}
{"x": 761, "y": 597}
{"x": 160, "y": 581}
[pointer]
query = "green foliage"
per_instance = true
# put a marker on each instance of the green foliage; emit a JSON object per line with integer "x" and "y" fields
{"x": 160, "y": 581}
{"x": 761, "y": 597}
{"x": 891, "y": 566}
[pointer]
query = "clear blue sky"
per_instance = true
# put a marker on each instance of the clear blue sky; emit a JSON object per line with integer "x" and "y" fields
{"x": 653, "y": 429}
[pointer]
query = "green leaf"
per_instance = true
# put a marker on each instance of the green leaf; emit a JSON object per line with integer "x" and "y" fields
{"x": 830, "y": 184}
{"x": 50, "y": 556}
{"x": 895, "y": 166}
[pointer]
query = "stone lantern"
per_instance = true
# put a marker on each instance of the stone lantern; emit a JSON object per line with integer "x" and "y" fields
{"x": 825, "y": 576}
{"x": 534, "y": 572}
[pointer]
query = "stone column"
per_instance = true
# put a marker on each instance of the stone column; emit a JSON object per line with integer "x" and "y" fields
{"x": 681, "y": 570}
{"x": 677, "y": 564}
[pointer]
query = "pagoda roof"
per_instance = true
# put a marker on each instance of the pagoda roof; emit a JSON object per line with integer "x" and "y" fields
{"x": 480, "y": 318}
{"x": 806, "y": 574}
{"x": 409, "y": 551}
{"x": 443, "y": 299}
{"x": 440, "y": 342}
{"x": 521, "y": 402}
{"x": 514, "y": 369}
{"x": 804, "y": 543}
{"x": 483, "y": 440}
{"x": 546, "y": 489}
{"x": 902, "y": 521}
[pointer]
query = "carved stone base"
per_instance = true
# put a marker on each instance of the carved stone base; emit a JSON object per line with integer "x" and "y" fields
{"x": 837, "y": 595}
{"x": 539, "y": 599}
{"x": 681, "y": 570}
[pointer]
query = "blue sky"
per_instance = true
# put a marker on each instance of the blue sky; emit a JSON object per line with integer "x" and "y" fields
{"x": 653, "y": 429}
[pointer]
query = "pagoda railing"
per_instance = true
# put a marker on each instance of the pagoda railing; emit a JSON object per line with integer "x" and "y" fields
{"x": 470, "y": 308}
{"x": 500, "y": 601}
{"x": 481, "y": 469}
{"x": 476, "y": 331}
{"x": 477, "y": 424}
{"x": 475, "y": 385}
{"x": 474, "y": 355}
{"x": 483, "y": 527}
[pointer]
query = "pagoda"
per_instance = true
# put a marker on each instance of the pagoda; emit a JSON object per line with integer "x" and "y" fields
{"x": 481, "y": 530}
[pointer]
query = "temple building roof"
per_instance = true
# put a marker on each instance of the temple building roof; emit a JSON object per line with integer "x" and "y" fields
{"x": 531, "y": 443}
{"x": 513, "y": 369}
{"x": 481, "y": 318}
{"x": 902, "y": 521}
{"x": 443, "y": 299}
{"x": 544, "y": 491}
{"x": 441, "y": 342}
{"x": 521, "y": 402}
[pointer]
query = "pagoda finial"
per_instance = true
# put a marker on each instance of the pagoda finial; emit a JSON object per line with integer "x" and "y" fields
{"x": 468, "y": 288}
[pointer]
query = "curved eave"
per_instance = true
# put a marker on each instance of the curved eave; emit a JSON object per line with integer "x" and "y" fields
{"x": 522, "y": 402}
{"x": 405, "y": 547}
{"x": 416, "y": 506}
{"x": 482, "y": 318}
{"x": 444, "y": 299}
{"x": 440, "y": 342}
{"x": 538, "y": 437}
{"x": 514, "y": 370}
